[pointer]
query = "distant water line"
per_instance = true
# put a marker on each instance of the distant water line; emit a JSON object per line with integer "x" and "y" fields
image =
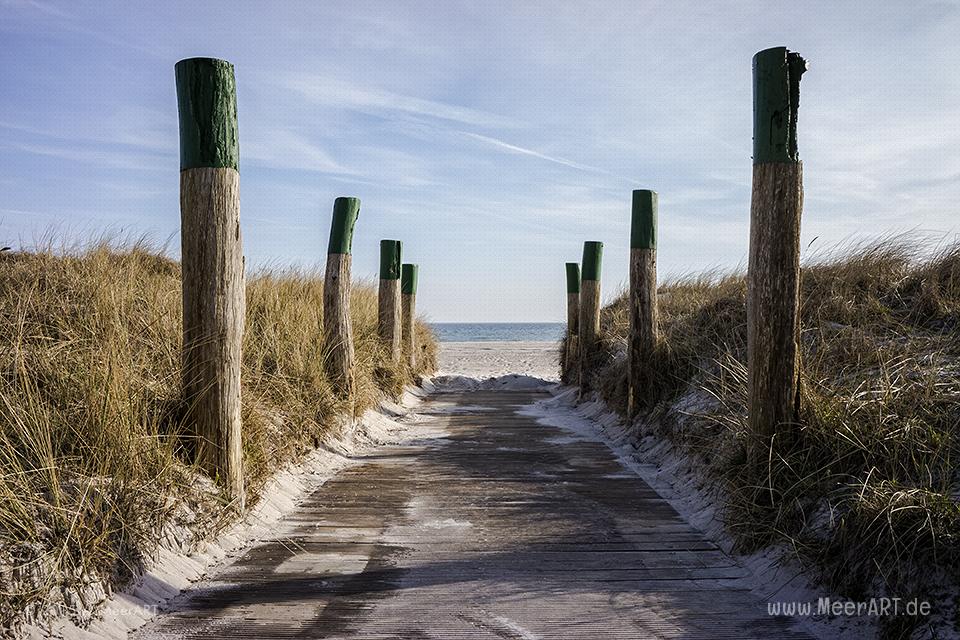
{"x": 498, "y": 331}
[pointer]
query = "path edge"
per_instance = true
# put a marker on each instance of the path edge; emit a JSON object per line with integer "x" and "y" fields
{"x": 674, "y": 475}
{"x": 170, "y": 571}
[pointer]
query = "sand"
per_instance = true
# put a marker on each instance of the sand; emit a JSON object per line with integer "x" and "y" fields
{"x": 493, "y": 359}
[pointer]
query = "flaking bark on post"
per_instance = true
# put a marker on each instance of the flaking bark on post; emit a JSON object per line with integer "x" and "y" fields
{"x": 337, "y": 327}
{"x": 773, "y": 281}
{"x": 388, "y": 307}
{"x": 409, "y": 274}
{"x": 212, "y": 266}
{"x": 642, "y": 341}
{"x": 589, "y": 324}
{"x": 571, "y": 347}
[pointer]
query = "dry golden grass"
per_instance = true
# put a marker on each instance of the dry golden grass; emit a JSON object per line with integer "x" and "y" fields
{"x": 92, "y": 456}
{"x": 866, "y": 491}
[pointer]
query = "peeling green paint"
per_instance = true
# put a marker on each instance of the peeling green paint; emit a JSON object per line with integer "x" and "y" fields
{"x": 573, "y": 277}
{"x": 592, "y": 256}
{"x": 643, "y": 221}
{"x": 345, "y": 213}
{"x": 776, "y": 100}
{"x": 207, "y": 104}
{"x": 408, "y": 278}
{"x": 390, "y": 259}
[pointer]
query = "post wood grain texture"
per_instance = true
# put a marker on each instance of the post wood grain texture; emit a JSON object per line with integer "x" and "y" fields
{"x": 642, "y": 341}
{"x": 773, "y": 282}
{"x": 589, "y": 325}
{"x": 337, "y": 327}
{"x": 388, "y": 299}
{"x": 409, "y": 274}
{"x": 571, "y": 346}
{"x": 213, "y": 286}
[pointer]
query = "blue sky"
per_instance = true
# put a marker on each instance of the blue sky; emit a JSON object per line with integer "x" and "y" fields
{"x": 493, "y": 138}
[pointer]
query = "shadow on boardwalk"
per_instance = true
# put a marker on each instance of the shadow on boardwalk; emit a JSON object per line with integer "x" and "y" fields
{"x": 502, "y": 528}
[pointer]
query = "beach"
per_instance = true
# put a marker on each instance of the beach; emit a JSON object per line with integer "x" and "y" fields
{"x": 491, "y": 359}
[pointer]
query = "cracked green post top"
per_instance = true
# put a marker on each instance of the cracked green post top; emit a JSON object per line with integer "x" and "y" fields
{"x": 390, "y": 259}
{"x": 408, "y": 278}
{"x": 345, "y": 212}
{"x": 776, "y": 98}
{"x": 592, "y": 254}
{"x": 573, "y": 277}
{"x": 207, "y": 104}
{"x": 643, "y": 221}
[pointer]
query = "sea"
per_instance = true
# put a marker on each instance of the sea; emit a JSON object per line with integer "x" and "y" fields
{"x": 498, "y": 331}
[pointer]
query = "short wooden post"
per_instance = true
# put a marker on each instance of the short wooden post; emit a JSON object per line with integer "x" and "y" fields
{"x": 388, "y": 307}
{"x": 408, "y": 287}
{"x": 212, "y": 266}
{"x": 337, "y": 327}
{"x": 589, "y": 325}
{"x": 773, "y": 282}
{"x": 642, "y": 341}
{"x": 571, "y": 347}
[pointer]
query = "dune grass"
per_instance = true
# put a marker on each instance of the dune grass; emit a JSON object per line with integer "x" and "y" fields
{"x": 93, "y": 465}
{"x": 866, "y": 490}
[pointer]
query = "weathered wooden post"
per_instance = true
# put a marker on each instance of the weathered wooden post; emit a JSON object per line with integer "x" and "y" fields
{"x": 408, "y": 287}
{"x": 773, "y": 280}
{"x": 212, "y": 265}
{"x": 642, "y": 341}
{"x": 589, "y": 325}
{"x": 337, "y": 328}
{"x": 571, "y": 347}
{"x": 388, "y": 299}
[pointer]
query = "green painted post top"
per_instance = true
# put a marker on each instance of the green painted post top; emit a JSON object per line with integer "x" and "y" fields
{"x": 776, "y": 99}
{"x": 592, "y": 255}
{"x": 345, "y": 212}
{"x": 643, "y": 221}
{"x": 408, "y": 278}
{"x": 573, "y": 277}
{"x": 207, "y": 104}
{"x": 390, "y": 259}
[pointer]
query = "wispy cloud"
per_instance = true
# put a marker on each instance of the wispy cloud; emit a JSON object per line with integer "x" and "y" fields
{"x": 117, "y": 159}
{"x": 287, "y": 149}
{"x": 335, "y": 92}
{"x": 512, "y": 148}
{"x": 36, "y": 5}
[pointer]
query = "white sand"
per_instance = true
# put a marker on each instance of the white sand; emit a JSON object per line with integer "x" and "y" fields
{"x": 483, "y": 360}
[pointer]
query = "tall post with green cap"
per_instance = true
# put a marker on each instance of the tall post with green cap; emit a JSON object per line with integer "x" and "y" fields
{"x": 773, "y": 280}
{"x": 212, "y": 266}
{"x": 589, "y": 324}
{"x": 337, "y": 327}
{"x": 571, "y": 347}
{"x": 408, "y": 287}
{"x": 388, "y": 299}
{"x": 642, "y": 340}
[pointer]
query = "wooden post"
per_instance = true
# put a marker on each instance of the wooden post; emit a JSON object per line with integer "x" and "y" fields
{"x": 388, "y": 308}
{"x": 571, "y": 348}
{"x": 212, "y": 266}
{"x": 408, "y": 287}
{"x": 773, "y": 280}
{"x": 589, "y": 325}
{"x": 643, "y": 297}
{"x": 337, "y": 327}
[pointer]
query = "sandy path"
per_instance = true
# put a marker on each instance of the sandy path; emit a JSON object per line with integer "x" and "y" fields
{"x": 491, "y": 524}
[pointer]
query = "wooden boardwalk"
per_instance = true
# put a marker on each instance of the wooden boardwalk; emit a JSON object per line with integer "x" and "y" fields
{"x": 504, "y": 528}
